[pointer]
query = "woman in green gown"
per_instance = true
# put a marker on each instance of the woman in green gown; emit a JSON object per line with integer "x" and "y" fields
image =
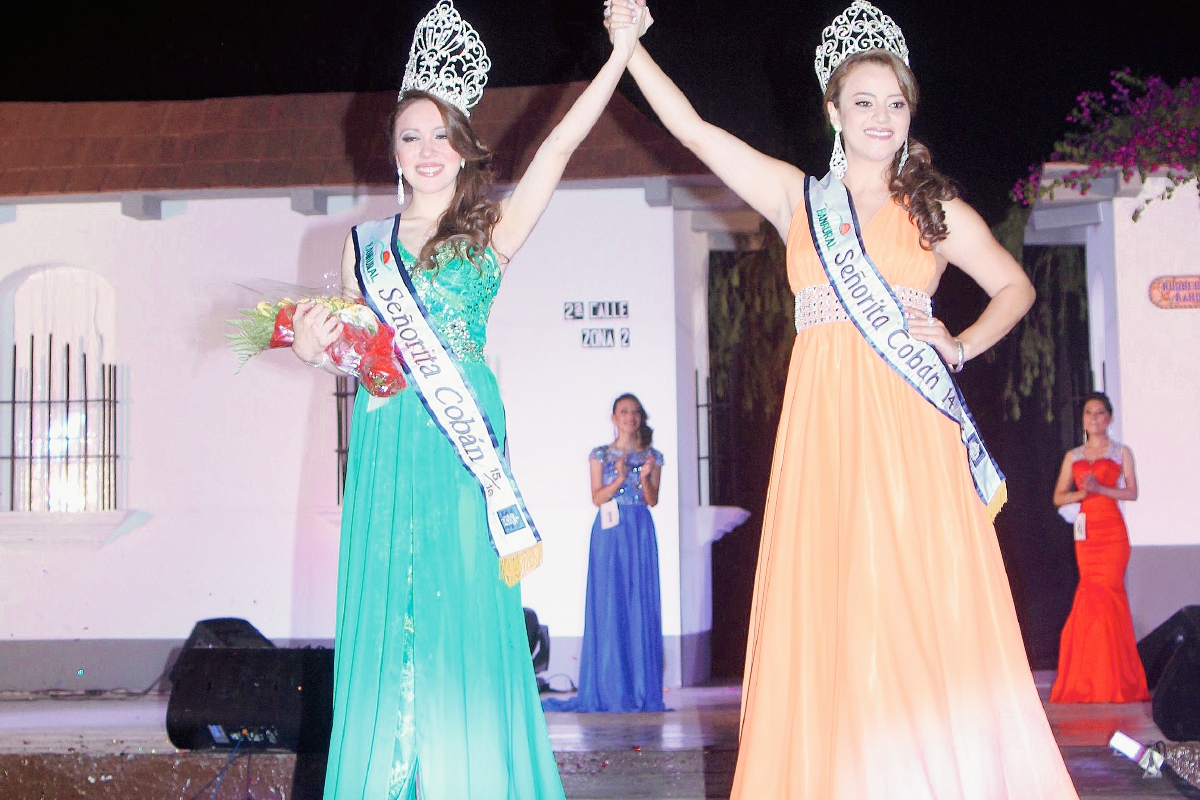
{"x": 434, "y": 692}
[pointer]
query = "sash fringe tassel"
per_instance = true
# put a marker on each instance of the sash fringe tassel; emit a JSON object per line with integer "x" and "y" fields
{"x": 998, "y": 501}
{"x": 515, "y": 567}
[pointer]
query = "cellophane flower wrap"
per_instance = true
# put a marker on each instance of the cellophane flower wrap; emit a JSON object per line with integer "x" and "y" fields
{"x": 365, "y": 349}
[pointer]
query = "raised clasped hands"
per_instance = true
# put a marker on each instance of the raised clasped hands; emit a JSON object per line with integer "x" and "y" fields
{"x": 1090, "y": 484}
{"x": 932, "y": 331}
{"x": 316, "y": 328}
{"x": 626, "y": 21}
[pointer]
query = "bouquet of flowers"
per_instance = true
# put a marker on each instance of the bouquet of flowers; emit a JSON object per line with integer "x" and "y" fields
{"x": 365, "y": 349}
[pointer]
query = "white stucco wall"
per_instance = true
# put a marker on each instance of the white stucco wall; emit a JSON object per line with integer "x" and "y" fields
{"x": 591, "y": 245}
{"x": 239, "y": 470}
{"x": 1159, "y": 394}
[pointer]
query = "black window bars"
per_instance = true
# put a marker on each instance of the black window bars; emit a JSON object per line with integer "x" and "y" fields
{"x": 62, "y": 431}
{"x": 344, "y": 393}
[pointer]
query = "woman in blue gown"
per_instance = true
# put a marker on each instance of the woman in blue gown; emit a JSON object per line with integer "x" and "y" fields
{"x": 434, "y": 692}
{"x": 621, "y": 664}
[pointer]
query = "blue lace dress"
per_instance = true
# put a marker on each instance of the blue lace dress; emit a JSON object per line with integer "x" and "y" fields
{"x": 621, "y": 664}
{"x": 434, "y": 691}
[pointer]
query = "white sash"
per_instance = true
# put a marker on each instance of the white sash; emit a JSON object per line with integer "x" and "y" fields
{"x": 873, "y": 308}
{"x": 437, "y": 376}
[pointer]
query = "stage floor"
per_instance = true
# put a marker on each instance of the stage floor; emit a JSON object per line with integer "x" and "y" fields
{"x": 118, "y": 747}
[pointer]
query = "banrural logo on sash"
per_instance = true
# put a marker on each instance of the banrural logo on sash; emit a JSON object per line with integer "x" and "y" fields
{"x": 369, "y": 258}
{"x": 827, "y": 229}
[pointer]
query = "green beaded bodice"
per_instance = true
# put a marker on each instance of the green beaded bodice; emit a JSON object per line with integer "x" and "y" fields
{"x": 459, "y": 298}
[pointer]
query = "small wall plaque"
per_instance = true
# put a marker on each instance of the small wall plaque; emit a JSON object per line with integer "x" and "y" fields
{"x": 1175, "y": 291}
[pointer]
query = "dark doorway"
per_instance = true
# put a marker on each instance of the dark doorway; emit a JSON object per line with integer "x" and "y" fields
{"x": 751, "y": 331}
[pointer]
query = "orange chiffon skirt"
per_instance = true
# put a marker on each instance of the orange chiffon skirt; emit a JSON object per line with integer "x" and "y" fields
{"x": 884, "y": 658}
{"x": 1098, "y": 660}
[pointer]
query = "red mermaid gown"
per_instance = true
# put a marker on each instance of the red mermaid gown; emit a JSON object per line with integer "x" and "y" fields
{"x": 1097, "y": 658}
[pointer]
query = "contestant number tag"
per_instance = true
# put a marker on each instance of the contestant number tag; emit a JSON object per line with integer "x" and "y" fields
{"x": 1081, "y": 528}
{"x": 610, "y": 515}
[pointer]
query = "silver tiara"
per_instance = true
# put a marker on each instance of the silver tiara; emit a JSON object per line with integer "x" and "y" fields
{"x": 860, "y": 27}
{"x": 447, "y": 59}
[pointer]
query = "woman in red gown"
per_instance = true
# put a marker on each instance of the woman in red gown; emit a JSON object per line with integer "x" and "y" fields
{"x": 1097, "y": 658}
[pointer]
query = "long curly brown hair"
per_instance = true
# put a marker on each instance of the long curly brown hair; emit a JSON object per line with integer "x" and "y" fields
{"x": 466, "y": 226}
{"x": 919, "y": 188}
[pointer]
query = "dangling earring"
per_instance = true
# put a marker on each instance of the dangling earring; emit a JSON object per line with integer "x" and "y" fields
{"x": 903, "y": 157}
{"x": 399, "y": 186}
{"x": 837, "y": 161}
{"x": 462, "y": 163}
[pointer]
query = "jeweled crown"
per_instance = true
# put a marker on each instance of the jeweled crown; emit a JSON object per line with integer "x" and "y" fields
{"x": 860, "y": 27}
{"x": 447, "y": 59}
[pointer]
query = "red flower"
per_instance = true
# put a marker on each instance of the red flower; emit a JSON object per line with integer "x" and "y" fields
{"x": 381, "y": 375}
{"x": 282, "y": 335}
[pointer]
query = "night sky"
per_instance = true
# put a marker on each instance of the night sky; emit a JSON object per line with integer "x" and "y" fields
{"x": 997, "y": 78}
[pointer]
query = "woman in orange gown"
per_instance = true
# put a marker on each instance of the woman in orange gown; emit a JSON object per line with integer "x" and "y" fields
{"x": 884, "y": 657}
{"x": 1098, "y": 660}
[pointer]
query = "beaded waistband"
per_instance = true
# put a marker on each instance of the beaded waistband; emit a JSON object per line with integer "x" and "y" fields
{"x": 816, "y": 305}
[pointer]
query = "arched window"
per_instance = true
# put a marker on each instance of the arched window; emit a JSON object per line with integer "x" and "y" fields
{"x": 59, "y": 386}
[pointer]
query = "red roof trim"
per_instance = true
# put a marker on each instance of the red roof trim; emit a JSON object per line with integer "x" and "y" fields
{"x": 304, "y": 140}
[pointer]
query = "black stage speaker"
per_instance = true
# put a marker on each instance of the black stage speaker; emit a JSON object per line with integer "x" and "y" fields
{"x": 539, "y": 641}
{"x": 251, "y": 693}
{"x": 226, "y": 632}
{"x": 222, "y": 632}
{"x": 1171, "y": 655}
